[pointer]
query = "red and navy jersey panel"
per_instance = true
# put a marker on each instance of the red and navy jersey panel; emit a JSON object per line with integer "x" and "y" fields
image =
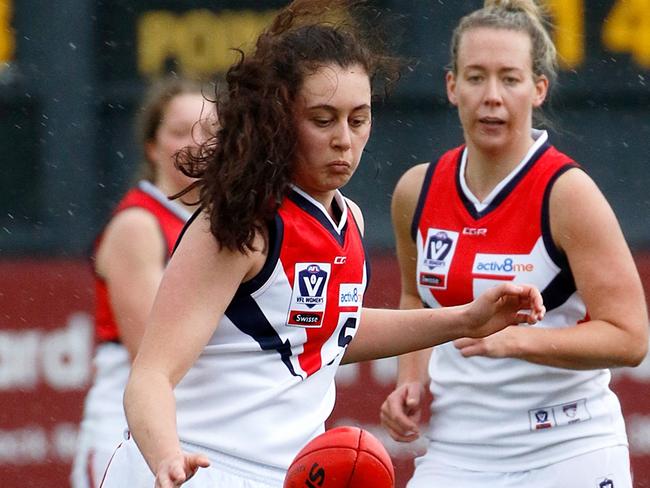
{"x": 463, "y": 250}
{"x": 306, "y": 302}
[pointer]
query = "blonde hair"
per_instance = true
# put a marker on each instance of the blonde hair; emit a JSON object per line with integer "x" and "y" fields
{"x": 518, "y": 15}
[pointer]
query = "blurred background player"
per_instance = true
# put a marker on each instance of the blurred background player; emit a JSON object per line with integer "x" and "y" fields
{"x": 263, "y": 296}
{"x": 528, "y": 406}
{"x": 130, "y": 256}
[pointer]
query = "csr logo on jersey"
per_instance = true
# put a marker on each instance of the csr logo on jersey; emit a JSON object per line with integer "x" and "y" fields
{"x": 438, "y": 252}
{"x": 309, "y": 294}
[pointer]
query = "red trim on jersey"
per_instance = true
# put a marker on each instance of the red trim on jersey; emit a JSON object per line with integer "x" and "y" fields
{"x": 495, "y": 277}
{"x": 170, "y": 224}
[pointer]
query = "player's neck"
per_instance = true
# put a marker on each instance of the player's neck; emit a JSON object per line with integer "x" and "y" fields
{"x": 486, "y": 169}
{"x": 186, "y": 201}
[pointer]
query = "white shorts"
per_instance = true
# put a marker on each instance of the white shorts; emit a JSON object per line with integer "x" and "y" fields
{"x": 93, "y": 452}
{"x": 603, "y": 468}
{"x": 89, "y": 466}
{"x": 129, "y": 469}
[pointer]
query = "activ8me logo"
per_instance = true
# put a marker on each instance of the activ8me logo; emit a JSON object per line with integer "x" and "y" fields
{"x": 500, "y": 265}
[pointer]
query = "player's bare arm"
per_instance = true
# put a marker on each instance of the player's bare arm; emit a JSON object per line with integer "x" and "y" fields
{"x": 131, "y": 260}
{"x": 585, "y": 229}
{"x": 168, "y": 350}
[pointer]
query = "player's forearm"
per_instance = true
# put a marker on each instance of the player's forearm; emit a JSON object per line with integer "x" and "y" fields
{"x": 414, "y": 367}
{"x": 151, "y": 414}
{"x": 383, "y": 333}
{"x": 590, "y": 345}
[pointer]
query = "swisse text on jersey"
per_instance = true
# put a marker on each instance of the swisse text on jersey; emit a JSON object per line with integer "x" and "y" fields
{"x": 268, "y": 371}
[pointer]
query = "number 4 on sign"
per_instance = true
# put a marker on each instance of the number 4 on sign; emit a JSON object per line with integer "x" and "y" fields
{"x": 627, "y": 29}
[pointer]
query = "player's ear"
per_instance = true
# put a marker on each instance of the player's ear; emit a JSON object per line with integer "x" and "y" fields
{"x": 541, "y": 90}
{"x": 149, "y": 149}
{"x": 450, "y": 80}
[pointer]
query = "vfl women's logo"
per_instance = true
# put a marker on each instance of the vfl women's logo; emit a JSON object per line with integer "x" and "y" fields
{"x": 437, "y": 248}
{"x": 559, "y": 415}
{"x": 309, "y": 294}
{"x": 435, "y": 258}
{"x": 311, "y": 282}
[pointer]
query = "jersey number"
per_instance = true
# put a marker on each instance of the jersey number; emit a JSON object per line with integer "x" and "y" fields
{"x": 344, "y": 336}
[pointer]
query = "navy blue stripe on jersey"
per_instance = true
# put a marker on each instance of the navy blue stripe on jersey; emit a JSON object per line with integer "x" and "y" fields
{"x": 556, "y": 255}
{"x": 185, "y": 227}
{"x": 276, "y": 235}
{"x": 415, "y": 223}
{"x": 247, "y": 316}
{"x": 505, "y": 191}
{"x": 559, "y": 290}
{"x": 315, "y": 212}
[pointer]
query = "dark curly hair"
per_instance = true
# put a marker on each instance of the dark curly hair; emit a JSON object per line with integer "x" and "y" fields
{"x": 245, "y": 169}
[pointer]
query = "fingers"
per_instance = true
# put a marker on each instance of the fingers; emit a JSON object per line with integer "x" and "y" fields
{"x": 508, "y": 288}
{"x": 529, "y": 300}
{"x": 536, "y": 302}
{"x": 464, "y": 342}
{"x": 177, "y": 470}
{"x": 196, "y": 461}
{"x": 193, "y": 462}
{"x": 172, "y": 477}
{"x": 400, "y": 413}
{"x": 527, "y": 317}
{"x": 468, "y": 346}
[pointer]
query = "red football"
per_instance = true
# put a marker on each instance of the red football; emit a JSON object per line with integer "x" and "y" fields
{"x": 344, "y": 457}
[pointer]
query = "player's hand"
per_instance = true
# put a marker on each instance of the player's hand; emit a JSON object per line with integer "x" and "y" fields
{"x": 401, "y": 411}
{"x": 504, "y": 305}
{"x": 501, "y": 344}
{"x": 175, "y": 470}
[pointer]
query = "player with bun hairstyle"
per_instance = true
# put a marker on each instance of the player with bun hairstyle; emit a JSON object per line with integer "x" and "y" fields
{"x": 527, "y": 406}
{"x": 262, "y": 298}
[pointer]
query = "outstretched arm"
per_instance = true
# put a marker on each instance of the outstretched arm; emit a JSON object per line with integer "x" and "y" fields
{"x": 383, "y": 333}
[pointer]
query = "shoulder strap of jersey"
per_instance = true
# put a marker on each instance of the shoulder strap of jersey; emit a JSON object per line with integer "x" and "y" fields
{"x": 449, "y": 156}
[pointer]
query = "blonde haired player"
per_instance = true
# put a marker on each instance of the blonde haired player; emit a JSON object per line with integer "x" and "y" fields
{"x": 528, "y": 406}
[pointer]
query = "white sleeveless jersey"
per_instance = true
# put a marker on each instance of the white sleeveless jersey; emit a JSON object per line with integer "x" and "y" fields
{"x": 264, "y": 384}
{"x": 505, "y": 414}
